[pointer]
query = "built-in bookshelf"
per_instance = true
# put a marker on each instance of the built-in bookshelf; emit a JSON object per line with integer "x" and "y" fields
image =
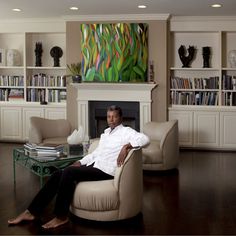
{"x": 203, "y": 99}
{"x": 34, "y": 83}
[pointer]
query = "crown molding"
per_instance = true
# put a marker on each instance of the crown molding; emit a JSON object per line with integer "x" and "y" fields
{"x": 201, "y": 18}
{"x": 127, "y": 17}
{"x": 33, "y": 25}
{"x": 203, "y": 23}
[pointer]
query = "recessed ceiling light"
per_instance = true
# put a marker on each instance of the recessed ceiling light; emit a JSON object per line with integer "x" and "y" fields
{"x": 74, "y": 8}
{"x": 216, "y": 5}
{"x": 142, "y": 6}
{"x": 16, "y": 9}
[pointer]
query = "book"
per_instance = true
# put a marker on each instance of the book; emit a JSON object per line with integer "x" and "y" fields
{"x": 50, "y": 146}
{"x": 45, "y": 150}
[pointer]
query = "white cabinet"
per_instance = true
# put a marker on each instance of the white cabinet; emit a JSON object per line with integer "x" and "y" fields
{"x": 14, "y": 125}
{"x": 55, "y": 113}
{"x": 228, "y": 129}
{"x": 199, "y": 128}
{"x": 185, "y": 124}
{"x": 11, "y": 123}
{"x": 206, "y": 129}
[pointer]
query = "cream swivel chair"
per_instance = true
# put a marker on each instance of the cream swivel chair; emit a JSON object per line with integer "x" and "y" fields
{"x": 49, "y": 131}
{"x": 163, "y": 151}
{"x": 116, "y": 199}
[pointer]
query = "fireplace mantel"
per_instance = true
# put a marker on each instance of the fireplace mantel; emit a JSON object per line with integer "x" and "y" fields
{"x": 138, "y": 92}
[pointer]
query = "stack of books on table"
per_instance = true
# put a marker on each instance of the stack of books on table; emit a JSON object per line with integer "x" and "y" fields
{"x": 47, "y": 151}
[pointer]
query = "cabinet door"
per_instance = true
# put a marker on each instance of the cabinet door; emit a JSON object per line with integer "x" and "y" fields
{"x": 206, "y": 129}
{"x": 185, "y": 124}
{"x": 228, "y": 129}
{"x": 55, "y": 113}
{"x": 27, "y": 113}
{"x": 11, "y": 123}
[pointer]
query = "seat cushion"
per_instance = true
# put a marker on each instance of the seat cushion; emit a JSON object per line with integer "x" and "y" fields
{"x": 152, "y": 154}
{"x": 96, "y": 196}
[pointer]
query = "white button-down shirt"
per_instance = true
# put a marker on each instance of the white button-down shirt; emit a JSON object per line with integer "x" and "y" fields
{"x": 111, "y": 142}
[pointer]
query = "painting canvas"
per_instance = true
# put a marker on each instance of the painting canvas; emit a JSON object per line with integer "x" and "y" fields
{"x": 116, "y": 52}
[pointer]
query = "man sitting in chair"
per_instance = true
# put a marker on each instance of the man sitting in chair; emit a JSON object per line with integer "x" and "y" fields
{"x": 114, "y": 145}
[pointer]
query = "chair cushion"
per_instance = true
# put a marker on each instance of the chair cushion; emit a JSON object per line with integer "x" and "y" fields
{"x": 96, "y": 196}
{"x": 152, "y": 154}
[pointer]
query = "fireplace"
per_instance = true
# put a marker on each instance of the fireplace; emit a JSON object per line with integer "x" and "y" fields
{"x": 136, "y": 93}
{"x": 98, "y": 113}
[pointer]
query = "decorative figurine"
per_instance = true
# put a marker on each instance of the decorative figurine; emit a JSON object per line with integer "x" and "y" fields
{"x": 232, "y": 58}
{"x": 13, "y": 57}
{"x": 56, "y": 52}
{"x": 38, "y": 53}
{"x": 182, "y": 55}
{"x": 206, "y": 52}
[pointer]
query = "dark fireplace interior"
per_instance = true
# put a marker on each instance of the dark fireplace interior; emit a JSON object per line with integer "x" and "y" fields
{"x": 98, "y": 115}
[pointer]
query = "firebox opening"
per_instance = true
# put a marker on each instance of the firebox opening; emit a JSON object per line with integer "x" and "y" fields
{"x": 98, "y": 112}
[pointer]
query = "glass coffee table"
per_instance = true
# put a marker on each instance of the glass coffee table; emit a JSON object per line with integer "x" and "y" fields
{"x": 41, "y": 167}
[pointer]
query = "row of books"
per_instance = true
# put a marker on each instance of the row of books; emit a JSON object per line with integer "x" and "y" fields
{"x": 194, "y": 98}
{"x": 47, "y": 80}
{"x": 195, "y": 83}
{"x": 11, "y": 80}
{"x": 41, "y": 151}
{"x": 229, "y": 82}
{"x": 229, "y": 98}
{"x": 54, "y": 95}
{"x": 11, "y": 94}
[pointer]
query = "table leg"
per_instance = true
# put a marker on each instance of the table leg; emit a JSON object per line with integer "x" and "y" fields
{"x": 41, "y": 176}
{"x": 14, "y": 168}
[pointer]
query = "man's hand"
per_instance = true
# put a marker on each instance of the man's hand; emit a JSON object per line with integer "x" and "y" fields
{"x": 77, "y": 164}
{"x": 123, "y": 154}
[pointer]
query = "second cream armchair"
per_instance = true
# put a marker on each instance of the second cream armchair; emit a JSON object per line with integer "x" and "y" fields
{"x": 49, "y": 131}
{"x": 163, "y": 151}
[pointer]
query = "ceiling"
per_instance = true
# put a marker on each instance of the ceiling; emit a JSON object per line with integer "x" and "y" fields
{"x": 60, "y": 8}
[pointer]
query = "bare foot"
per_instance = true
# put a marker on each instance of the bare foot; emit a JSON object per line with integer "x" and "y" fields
{"x": 25, "y": 216}
{"x": 55, "y": 222}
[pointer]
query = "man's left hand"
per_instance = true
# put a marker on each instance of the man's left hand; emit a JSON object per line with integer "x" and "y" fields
{"x": 123, "y": 154}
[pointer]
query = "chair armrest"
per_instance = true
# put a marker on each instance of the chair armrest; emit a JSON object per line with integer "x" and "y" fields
{"x": 159, "y": 131}
{"x": 35, "y": 135}
{"x": 120, "y": 169}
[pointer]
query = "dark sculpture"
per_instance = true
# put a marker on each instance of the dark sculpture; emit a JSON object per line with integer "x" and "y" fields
{"x": 182, "y": 55}
{"x": 56, "y": 52}
{"x": 38, "y": 53}
{"x": 206, "y": 52}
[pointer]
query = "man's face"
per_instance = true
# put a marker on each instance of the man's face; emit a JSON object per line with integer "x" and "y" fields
{"x": 113, "y": 119}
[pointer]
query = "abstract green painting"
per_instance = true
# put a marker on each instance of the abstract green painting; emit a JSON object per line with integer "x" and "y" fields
{"x": 116, "y": 52}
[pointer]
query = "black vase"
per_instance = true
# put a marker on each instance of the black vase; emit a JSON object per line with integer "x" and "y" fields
{"x": 77, "y": 79}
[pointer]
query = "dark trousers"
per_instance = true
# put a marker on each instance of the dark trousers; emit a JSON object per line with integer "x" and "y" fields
{"x": 62, "y": 183}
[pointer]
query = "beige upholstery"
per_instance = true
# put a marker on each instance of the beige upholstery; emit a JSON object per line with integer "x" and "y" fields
{"x": 49, "y": 131}
{"x": 163, "y": 151}
{"x": 116, "y": 199}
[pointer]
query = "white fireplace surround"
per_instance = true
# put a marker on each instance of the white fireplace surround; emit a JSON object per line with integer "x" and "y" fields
{"x": 130, "y": 92}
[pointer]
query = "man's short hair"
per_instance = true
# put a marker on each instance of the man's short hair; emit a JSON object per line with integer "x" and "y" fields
{"x": 115, "y": 108}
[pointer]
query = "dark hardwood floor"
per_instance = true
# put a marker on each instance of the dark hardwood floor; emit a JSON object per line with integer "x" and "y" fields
{"x": 198, "y": 198}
